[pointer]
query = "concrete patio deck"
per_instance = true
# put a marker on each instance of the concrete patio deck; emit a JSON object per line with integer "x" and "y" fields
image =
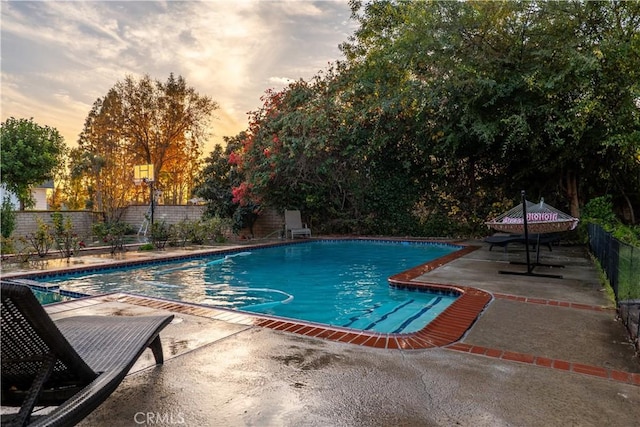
{"x": 545, "y": 352}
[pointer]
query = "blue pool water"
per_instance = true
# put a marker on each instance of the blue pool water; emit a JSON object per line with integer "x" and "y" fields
{"x": 334, "y": 282}
{"x": 45, "y": 297}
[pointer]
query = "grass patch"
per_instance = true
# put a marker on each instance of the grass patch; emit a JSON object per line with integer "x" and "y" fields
{"x": 608, "y": 289}
{"x": 628, "y": 272}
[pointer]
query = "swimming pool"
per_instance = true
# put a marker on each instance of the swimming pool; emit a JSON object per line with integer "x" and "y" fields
{"x": 334, "y": 282}
{"x": 48, "y": 297}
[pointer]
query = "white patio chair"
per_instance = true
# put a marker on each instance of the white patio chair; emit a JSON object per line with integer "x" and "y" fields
{"x": 294, "y": 226}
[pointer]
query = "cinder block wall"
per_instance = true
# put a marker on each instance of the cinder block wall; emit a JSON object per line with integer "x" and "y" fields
{"x": 171, "y": 214}
{"x": 270, "y": 223}
{"x": 26, "y": 221}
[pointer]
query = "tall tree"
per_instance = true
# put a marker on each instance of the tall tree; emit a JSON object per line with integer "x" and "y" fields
{"x": 144, "y": 122}
{"x": 102, "y": 159}
{"x": 516, "y": 90}
{"x": 333, "y": 147}
{"x": 76, "y": 192}
{"x": 30, "y": 154}
{"x": 163, "y": 122}
{"x": 449, "y": 109}
{"x": 218, "y": 177}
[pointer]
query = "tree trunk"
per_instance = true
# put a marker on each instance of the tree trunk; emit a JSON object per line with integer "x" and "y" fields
{"x": 632, "y": 215}
{"x": 571, "y": 188}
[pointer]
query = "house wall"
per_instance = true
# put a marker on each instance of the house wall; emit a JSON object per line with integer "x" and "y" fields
{"x": 39, "y": 195}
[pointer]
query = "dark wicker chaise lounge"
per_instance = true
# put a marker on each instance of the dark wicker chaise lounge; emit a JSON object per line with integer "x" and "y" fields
{"x": 73, "y": 363}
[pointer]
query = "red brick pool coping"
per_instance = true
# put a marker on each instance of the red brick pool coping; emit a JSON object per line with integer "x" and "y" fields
{"x": 557, "y": 364}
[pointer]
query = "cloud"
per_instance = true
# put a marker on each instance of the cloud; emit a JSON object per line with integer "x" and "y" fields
{"x": 59, "y": 57}
{"x": 280, "y": 81}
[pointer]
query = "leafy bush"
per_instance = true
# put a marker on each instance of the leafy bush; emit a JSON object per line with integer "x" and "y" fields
{"x": 40, "y": 240}
{"x": 244, "y": 217}
{"x": 24, "y": 252}
{"x": 180, "y": 233}
{"x": 112, "y": 233}
{"x": 7, "y": 245}
{"x": 64, "y": 234}
{"x": 146, "y": 247}
{"x": 159, "y": 234}
{"x": 599, "y": 210}
{"x": 216, "y": 228}
{"x": 627, "y": 234}
{"x": 197, "y": 232}
{"x": 439, "y": 225}
{"x": 7, "y": 218}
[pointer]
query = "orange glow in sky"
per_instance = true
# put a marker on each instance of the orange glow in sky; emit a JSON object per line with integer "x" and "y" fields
{"x": 59, "y": 57}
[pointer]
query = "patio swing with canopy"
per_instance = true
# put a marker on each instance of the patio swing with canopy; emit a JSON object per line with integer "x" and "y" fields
{"x": 538, "y": 218}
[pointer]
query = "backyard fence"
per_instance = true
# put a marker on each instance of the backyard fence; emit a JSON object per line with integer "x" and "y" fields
{"x": 621, "y": 264}
{"x": 27, "y": 221}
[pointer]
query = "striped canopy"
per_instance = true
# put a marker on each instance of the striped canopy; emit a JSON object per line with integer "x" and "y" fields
{"x": 541, "y": 218}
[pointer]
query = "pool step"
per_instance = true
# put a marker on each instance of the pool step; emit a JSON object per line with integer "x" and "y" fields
{"x": 395, "y": 317}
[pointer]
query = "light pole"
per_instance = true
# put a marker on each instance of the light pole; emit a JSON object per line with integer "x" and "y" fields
{"x": 153, "y": 200}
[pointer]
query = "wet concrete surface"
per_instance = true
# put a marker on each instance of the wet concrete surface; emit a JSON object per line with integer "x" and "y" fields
{"x": 583, "y": 336}
{"x": 184, "y": 334}
{"x": 261, "y": 377}
{"x": 225, "y": 374}
{"x": 580, "y": 281}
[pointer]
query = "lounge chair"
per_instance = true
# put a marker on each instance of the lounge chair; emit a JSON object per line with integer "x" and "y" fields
{"x": 534, "y": 239}
{"x": 293, "y": 225}
{"x": 73, "y": 363}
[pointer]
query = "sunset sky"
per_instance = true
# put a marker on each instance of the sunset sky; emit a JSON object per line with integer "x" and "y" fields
{"x": 58, "y": 57}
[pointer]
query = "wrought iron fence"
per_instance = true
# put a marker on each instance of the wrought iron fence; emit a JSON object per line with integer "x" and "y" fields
{"x": 621, "y": 264}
